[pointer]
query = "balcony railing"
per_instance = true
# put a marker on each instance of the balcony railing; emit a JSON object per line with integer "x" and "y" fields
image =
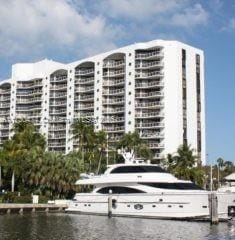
{"x": 114, "y": 101}
{"x": 58, "y": 87}
{"x": 113, "y": 120}
{"x": 6, "y": 105}
{"x": 149, "y": 115}
{"x": 29, "y": 100}
{"x": 149, "y": 94}
{"x": 114, "y": 82}
{"x": 113, "y": 110}
{"x": 59, "y": 79}
{"x": 148, "y": 64}
{"x": 149, "y": 125}
{"x": 149, "y": 54}
{"x": 114, "y": 129}
{"x": 149, "y": 104}
{"x": 113, "y": 73}
{"x": 113, "y": 63}
{"x": 156, "y": 145}
{"x": 58, "y": 95}
{"x": 84, "y": 89}
{"x": 148, "y": 74}
{"x": 113, "y": 91}
{"x": 85, "y": 71}
{"x": 149, "y": 84}
{"x": 84, "y": 80}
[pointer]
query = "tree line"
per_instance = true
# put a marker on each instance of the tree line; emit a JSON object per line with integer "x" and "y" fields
{"x": 27, "y": 167}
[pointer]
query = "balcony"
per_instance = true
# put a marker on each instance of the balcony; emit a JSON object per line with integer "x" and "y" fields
{"x": 28, "y": 93}
{"x": 80, "y": 72}
{"x": 113, "y": 110}
{"x": 114, "y": 91}
{"x": 149, "y": 55}
{"x": 149, "y": 115}
{"x": 58, "y": 103}
{"x": 54, "y": 87}
{"x": 29, "y": 85}
{"x": 155, "y": 145}
{"x": 113, "y": 63}
{"x": 85, "y": 89}
{"x": 83, "y": 98}
{"x": 4, "y": 113}
{"x": 116, "y": 101}
{"x": 84, "y": 80}
{"x": 147, "y": 65}
{"x": 57, "y": 136}
{"x": 149, "y": 104}
{"x": 57, "y": 112}
{"x": 114, "y": 129}
{"x": 150, "y": 135}
{"x": 85, "y": 106}
{"x": 59, "y": 79}
{"x": 150, "y": 74}
{"x": 149, "y": 94}
{"x": 58, "y": 95}
{"x": 113, "y": 120}
{"x": 114, "y": 82}
{"x": 5, "y": 105}
{"x": 149, "y": 125}
{"x": 114, "y": 73}
{"x": 149, "y": 84}
{"x": 29, "y": 100}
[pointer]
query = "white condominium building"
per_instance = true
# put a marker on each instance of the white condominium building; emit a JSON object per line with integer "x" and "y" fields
{"x": 155, "y": 88}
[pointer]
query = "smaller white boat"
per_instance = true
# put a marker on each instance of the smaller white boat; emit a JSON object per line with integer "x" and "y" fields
{"x": 228, "y": 184}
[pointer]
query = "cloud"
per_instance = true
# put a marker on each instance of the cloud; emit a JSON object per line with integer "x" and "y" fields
{"x": 230, "y": 25}
{"x": 35, "y": 27}
{"x": 190, "y": 17}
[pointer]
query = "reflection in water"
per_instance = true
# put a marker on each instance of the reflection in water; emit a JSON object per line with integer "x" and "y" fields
{"x": 53, "y": 226}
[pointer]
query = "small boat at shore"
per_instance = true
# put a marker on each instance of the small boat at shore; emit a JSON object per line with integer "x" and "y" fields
{"x": 141, "y": 189}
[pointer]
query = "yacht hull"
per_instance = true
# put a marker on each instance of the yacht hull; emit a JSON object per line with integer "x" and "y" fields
{"x": 172, "y": 205}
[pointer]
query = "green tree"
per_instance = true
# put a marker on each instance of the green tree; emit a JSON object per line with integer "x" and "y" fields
{"x": 83, "y": 133}
{"x": 133, "y": 141}
{"x": 101, "y": 145}
{"x": 24, "y": 140}
{"x": 183, "y": 165}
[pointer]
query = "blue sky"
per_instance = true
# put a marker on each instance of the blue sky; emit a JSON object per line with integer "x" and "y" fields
{"x": 67, "y": 30}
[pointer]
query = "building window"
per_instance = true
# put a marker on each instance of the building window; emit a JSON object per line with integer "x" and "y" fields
{"x": 129, "y": 93}
{"x": 129, "y": 54}
{"x": 98, "y": 72}
{"x": 129, "y": 64}
{"x": 129, "y": 83}
{"x": 129, "y": 73}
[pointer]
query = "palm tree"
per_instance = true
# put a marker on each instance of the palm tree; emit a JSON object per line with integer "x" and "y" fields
{"x": 84, "y": 134}
{"x": 24, "y": 140}
{"x": 183, "y": 163}
{"x": 133, "y": 141}
{"x": 101, "y": 145}
{"x": 220, "y": 162}
{"x": 2, "y": 163}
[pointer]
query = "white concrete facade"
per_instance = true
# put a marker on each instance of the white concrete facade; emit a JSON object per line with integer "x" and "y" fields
{"x": 156, "y": 88}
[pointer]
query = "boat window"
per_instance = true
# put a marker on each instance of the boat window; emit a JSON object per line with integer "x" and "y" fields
{"x": 118, "y": 190}
{"x": 176, "y": 186}
{"x": 137, "y": 169}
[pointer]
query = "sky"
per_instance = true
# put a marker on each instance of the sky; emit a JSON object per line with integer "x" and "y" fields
{"x": 68, "y": 30}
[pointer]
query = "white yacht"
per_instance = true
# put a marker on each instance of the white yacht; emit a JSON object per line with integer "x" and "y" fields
{"x": 139, "y": 189}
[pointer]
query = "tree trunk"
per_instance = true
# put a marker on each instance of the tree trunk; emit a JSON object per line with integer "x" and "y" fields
{"x": 13, "y": 182}
{"x": 99, "y": 164}
{"x": 0, "y": 176}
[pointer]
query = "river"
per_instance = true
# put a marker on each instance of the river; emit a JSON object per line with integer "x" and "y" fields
{"x": 62, "y": 226}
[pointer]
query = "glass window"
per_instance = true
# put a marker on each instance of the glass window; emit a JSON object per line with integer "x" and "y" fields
{"x": 137, "y": 169}
{"x": 175, "y": 186}
{"x": 119, "y": 190}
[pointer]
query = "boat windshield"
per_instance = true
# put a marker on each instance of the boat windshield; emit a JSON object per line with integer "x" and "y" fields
{"x": 138, "y": 169}
{"x": 175, "y": 186}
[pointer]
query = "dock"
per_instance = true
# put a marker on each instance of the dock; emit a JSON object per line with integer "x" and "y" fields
{"x": 7, "y": 208}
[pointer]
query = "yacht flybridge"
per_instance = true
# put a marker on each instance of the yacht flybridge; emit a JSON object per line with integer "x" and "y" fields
{"x": 140, "y": 189}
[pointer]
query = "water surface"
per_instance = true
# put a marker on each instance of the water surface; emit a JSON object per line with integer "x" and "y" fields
{"x": 61, "y": 226}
